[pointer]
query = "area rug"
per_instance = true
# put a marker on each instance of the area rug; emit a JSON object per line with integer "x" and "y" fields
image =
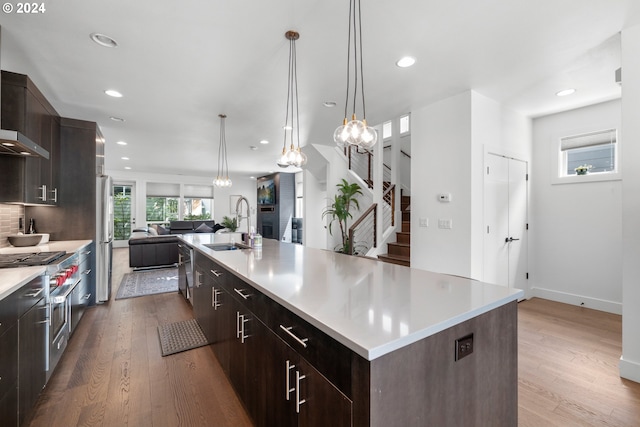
{"x": 180, "y": 336}
{"x": 149, "y": 282}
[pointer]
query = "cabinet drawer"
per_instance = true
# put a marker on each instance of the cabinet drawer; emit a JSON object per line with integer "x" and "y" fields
{"x": 331, "y": 358}
{"x": 9, "y": 312}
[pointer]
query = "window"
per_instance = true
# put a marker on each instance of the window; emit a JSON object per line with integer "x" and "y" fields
{"x": 197, "y": 202}
{"x": 386, "y": 130}
{"x": 162, "y": 202}
{"x": 404, "y": 125}
{"x": 594, "y": 153}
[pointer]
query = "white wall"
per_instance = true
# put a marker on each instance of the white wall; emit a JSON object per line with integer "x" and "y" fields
{"x": 246, "y": 187}
{"x": 630, "y": 360}
{"x": 448, "y": 141}
{"x": 441, "y": 158}
{"x": 575, "y": 229}
{"x": 314, "y": 235}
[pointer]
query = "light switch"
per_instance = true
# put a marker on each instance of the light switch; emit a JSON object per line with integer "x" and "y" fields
{"x": 445, "y": 224}
{"x": 444, "y": 197}
{"x": 424, "y": 222}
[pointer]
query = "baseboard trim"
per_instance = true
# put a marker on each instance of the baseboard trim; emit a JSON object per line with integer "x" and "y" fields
{"x": 629, "y": 370}
{"x": 578, "y": 300}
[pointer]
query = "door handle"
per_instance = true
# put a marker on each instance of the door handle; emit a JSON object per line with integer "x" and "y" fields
{"x": 509, "y": 239}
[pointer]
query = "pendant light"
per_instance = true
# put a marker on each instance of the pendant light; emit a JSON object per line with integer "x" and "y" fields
{"x": 222, "y": 177}
{"x": 292, "y": 156}
{"x": 355, "y": 132}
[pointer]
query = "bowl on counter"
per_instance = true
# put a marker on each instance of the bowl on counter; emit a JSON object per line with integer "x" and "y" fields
{"x": 21, "y": 240}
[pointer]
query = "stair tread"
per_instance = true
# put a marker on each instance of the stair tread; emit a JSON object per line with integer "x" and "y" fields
{"x": 406, "y": 245}
{"x": 392, "y": 256}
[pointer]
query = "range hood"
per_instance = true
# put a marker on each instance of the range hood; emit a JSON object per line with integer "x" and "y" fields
{"x": 15, "y": 143}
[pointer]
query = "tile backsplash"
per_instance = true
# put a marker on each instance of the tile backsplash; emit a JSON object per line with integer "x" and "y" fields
{"x": 9, "y": 218}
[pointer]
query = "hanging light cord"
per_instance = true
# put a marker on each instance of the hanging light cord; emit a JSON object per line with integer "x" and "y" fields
{"x": 355, "y": 30}
{"x": 295, "y": 94}
{"x": 364, "y": 111}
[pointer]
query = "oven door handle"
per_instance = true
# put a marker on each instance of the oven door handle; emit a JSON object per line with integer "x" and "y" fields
{"x": 60, "y": 299}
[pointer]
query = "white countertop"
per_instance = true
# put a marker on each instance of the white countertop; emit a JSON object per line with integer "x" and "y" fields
{"x": 51, "y": 246}
{"x": 370, "y": 306}
{"x": 12, "y": 279}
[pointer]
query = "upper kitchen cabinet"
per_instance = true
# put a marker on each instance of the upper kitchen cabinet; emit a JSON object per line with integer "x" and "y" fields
{"x": 30, "y": 179}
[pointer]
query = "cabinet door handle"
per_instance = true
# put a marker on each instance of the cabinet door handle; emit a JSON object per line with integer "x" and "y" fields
{"x": 43, "y": 194}
{"x": 241, "y": 293}
{"x": 198, "y": 274}
{"x": 55, "y": 195}
{"x": 215, "y": 273}
{"x": 288, "y": 389}
{"x": 87, "y": 272}
{"x": 87, "y": 296}
{"x": 298, "y": 401}
{"x": 85, "y": 252}
{"x": 214, "y": 298}
{"x": 238, "y": 315}
{"x": 34, "y": 293}
{"x": 302, "y": 341}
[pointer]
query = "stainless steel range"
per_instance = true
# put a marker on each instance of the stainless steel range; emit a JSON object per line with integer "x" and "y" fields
{"x": 62, "y": 276}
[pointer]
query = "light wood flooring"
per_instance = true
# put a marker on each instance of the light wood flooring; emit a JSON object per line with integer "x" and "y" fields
{"x": 112, "y": 373}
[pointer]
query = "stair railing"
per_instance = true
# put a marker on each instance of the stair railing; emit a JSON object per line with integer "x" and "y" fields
{"x": 362, "y": 233}
{"x": 389, "y": 196}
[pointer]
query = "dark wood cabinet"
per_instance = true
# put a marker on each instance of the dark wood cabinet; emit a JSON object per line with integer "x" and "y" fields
{"x": 9, "y": 375}
{"x": 24, "y": 109}
{"x": 23, "y": 344}
{"x": 32, "y": 334}
{"x": 277, "y": 385}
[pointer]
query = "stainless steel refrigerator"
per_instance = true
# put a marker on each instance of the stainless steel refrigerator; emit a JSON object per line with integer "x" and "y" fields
{"x": 104, "y": 237}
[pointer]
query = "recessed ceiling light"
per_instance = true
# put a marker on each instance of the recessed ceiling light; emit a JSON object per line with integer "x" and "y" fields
{"x": 124, "y": 158}
{"x": 127, "y": 167}
{"x": 406, "y": 61}
{"x": 252, "y": 177}
{"x": 121, "y": 143}
{"x": 117, "y": 119}
{"x": 264, "y": 141}
{"x": 253, "y": 147}
{"x": 113, "y": 93}
{"x": 286, "y": 127}
{"x": 565, "y": 92}
{"x": 329, "y": 104}
{"x": 103, "y": 40}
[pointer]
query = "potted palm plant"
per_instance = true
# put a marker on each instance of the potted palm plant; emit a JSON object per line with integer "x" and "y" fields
{"x": 340, "y": 210}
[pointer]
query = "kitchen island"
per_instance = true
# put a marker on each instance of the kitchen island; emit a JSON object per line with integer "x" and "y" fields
{"x": 394, "y": 345}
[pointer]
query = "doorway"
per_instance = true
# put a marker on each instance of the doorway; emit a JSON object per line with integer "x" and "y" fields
{"x": 505, "y": 221}
{"x": 123, "y": 218}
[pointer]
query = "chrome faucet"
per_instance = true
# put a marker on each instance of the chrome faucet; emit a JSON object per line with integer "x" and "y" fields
{"x": 239, "y": 216}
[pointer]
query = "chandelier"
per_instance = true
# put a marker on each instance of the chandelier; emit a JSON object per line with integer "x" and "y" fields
{"x": 292, "y": 156}
{"x": 355, "y": 132}
{"x": 222, "y": 177}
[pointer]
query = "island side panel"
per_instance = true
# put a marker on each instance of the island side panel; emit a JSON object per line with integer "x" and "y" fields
{"x": 422, "y": 384}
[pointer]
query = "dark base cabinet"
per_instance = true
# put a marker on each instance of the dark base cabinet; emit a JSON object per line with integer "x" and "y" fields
{"x": 9, "y": 373}
{"x": 289, "y": 373}
{"x": 275, "y": 383}
{"x": 33, "y": 327}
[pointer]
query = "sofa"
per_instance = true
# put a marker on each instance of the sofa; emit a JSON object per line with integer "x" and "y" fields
{"x": 157, "y": 246}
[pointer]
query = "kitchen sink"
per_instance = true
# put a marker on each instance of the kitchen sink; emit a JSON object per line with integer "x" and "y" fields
{"x": 227, "y": 246}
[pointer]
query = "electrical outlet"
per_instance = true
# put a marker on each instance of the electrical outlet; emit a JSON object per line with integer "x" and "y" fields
{"x": 464, "y": 347}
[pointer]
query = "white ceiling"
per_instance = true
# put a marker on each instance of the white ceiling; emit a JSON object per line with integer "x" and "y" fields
{"x": 180, "y": 64}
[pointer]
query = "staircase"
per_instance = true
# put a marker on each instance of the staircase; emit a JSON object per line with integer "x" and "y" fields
{"x": 400, "y": 251}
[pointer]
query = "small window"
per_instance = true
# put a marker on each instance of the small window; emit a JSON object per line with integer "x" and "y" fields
{"x": 386, "y": 130}
{"x": 589, "y": 153}
{"x": 404, "y": 125}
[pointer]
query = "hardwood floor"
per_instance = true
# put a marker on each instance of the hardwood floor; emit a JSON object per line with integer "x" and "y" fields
{"x": 568, "y": 368}
{"x": 112, "y": 373}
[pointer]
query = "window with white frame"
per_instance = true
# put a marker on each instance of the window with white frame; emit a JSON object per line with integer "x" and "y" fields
{"x": 405, "y": 124}
{"x": 589, "y": 153}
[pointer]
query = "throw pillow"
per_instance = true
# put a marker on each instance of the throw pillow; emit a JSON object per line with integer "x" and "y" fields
{"x": 204, "y": 228}
{"x": 152, "y": 231}
{"x": 161, "y": 230}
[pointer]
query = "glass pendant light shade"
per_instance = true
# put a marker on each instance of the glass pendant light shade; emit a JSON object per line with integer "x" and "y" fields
{"x": 293, "y": 156}
{"x": 355, "y": 132}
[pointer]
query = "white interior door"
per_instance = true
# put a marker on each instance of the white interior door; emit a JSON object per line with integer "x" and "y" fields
{"x": 505, "y": 213}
